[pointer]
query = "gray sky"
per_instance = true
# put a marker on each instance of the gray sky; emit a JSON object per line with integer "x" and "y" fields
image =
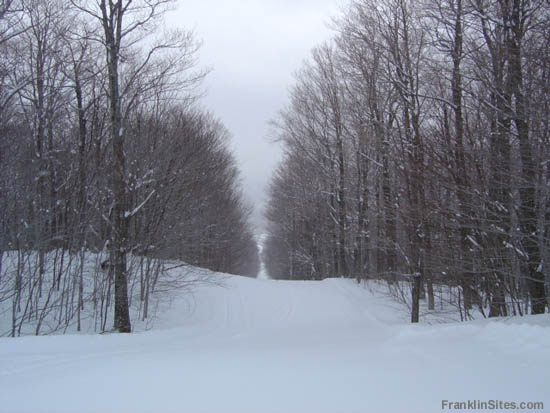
{"x": 253, "y": 47}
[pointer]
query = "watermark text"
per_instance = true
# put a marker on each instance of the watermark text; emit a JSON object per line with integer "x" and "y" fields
{"x": 490, "y": 405}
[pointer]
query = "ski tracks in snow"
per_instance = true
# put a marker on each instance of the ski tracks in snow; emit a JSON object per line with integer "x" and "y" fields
{"x": 277, "y": 346}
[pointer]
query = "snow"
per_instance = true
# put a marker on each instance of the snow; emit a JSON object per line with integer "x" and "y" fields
{"x": 259, "y": 345}
{"x": 473, "y": 241}
{"x": 128, "y": 214}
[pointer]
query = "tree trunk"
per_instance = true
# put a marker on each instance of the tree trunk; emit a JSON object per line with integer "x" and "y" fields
{"x": 112, "y": 25}
{"x": 527, "y": 190}
{"x": 416, "y": 286}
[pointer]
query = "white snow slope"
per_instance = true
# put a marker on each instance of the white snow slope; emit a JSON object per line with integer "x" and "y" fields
{"x": 274, "y": 346}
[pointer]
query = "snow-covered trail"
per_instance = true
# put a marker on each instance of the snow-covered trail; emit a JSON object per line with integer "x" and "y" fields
{"x": 274, "y": 346}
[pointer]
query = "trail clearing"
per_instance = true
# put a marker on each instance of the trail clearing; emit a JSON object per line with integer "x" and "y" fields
{"x": 277, "y": 346}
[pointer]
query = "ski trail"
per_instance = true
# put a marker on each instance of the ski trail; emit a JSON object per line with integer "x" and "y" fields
{"x": 278, "y": 346}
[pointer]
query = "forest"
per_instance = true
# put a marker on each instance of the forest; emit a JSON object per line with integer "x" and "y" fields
{"x": 403, "y": 260}
{"x": 417, "y": 152}
{"x": 106, "y": 150}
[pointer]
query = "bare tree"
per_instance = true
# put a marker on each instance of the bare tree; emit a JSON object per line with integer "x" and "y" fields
{"x": 441, "y": 132}
{"x": 124, "y": 23}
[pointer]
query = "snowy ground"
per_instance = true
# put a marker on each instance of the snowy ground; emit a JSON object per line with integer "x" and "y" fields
{"x": 274, "y": 346}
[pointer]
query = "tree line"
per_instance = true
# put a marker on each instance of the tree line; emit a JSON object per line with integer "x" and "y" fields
{"x": 105, "y": 148}
{"x": 417, "y": 150}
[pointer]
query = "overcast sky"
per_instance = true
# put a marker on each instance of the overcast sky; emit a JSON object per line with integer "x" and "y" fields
{"x": 253, "y": 47}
